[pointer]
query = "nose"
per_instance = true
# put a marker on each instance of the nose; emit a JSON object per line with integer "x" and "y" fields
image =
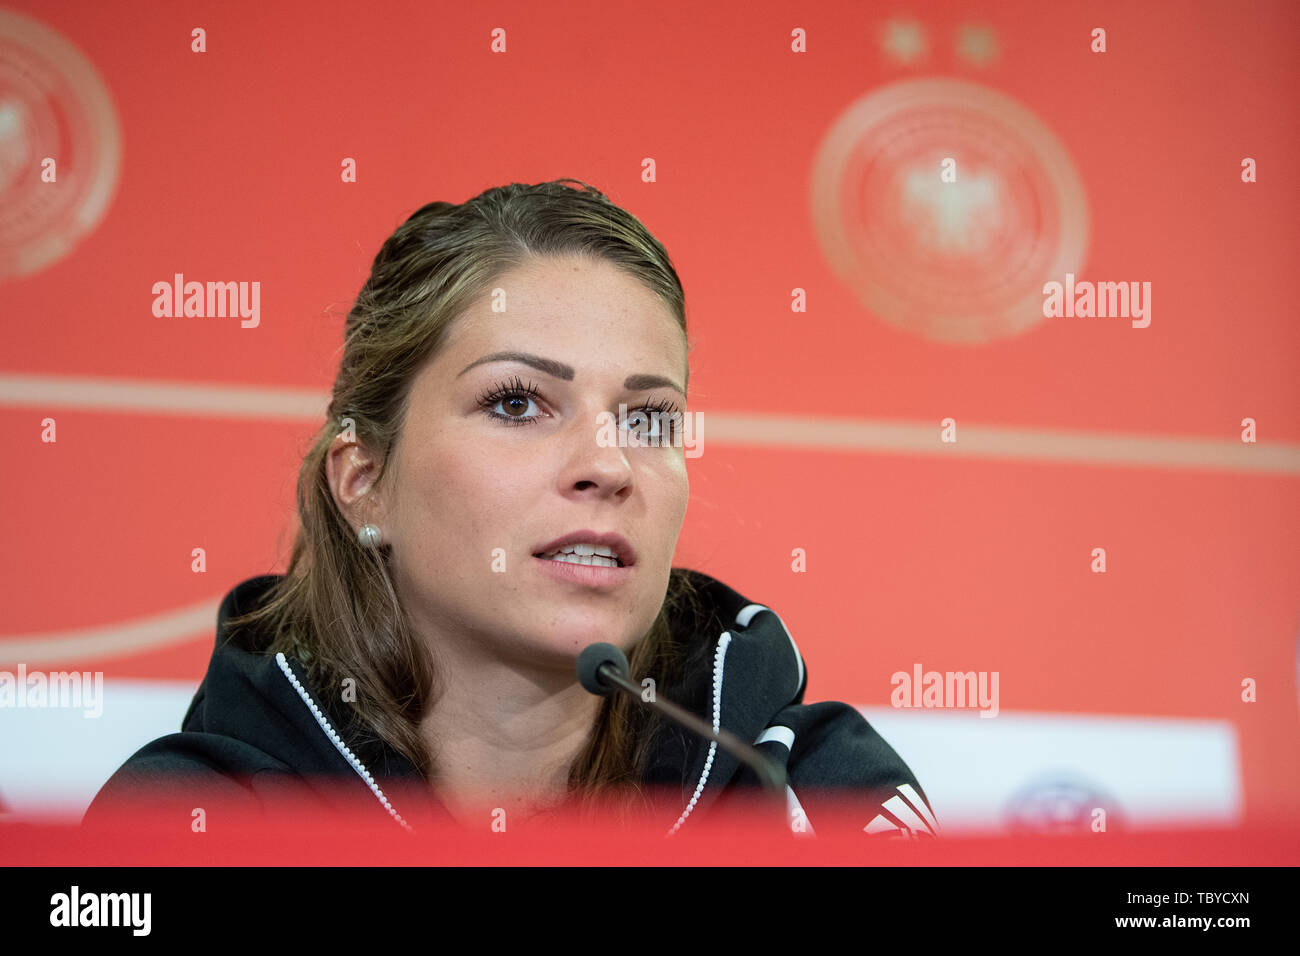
{"x": 594, "y": 462}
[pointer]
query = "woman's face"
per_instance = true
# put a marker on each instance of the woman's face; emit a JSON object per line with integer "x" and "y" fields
{"x": 486, "y": 473}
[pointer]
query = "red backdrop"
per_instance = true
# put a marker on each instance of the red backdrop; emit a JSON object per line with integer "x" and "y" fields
{"x": 230, "y": 170}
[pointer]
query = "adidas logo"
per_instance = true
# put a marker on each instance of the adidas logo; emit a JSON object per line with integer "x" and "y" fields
{"x": 904, "y": 815}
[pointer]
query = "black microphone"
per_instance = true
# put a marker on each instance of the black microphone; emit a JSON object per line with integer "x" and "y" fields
{"x": 603, "y": 669}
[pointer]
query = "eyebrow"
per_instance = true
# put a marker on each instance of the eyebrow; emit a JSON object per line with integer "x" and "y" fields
{"x": 633, "y": 383}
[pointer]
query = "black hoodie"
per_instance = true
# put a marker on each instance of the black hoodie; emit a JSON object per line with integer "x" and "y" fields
{"x": 256, "y": 729}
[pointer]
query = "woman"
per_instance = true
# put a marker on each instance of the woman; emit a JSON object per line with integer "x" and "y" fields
{"x": 468, "y": 527}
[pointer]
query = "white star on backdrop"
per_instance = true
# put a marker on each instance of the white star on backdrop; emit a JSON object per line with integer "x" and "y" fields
{"x": 977, "y": 44}
{"x": 904, "y": 40}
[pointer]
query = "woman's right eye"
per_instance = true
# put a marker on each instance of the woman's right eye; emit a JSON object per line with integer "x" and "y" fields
{"x": 514, "y": 403}
{"x": 515, "y": 398}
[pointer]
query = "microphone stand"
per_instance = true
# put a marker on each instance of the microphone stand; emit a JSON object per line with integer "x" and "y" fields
{"x": 771, "y": 775}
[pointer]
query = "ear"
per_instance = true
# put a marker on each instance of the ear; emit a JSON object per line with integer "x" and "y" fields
{"x": 352, "y": 471}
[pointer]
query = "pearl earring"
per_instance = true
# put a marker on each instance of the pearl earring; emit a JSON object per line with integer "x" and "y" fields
{"x": 369, "y": 536}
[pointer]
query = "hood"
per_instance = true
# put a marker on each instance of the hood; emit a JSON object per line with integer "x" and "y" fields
{"x": 742, "y": 668}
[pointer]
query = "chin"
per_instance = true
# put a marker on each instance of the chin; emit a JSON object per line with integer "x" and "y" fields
{"x": 568, "y": 640}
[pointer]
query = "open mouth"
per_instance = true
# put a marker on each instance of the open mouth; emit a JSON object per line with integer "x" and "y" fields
{"x": 575, "y": 555}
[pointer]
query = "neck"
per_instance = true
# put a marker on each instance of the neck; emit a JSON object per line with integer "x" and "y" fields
{"x": 503, "y": 739}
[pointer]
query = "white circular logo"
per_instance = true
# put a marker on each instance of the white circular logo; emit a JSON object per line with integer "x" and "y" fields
{"x": 52, "y": 104}
{"x": 945, "y": 206}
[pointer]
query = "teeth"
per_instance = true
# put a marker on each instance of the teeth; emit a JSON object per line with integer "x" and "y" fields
{"x": 598, "y": 560}
{"x": 584, "y": 550}
{"x": 593, "y": 549}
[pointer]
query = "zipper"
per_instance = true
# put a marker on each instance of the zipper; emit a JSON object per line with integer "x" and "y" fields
{"x": 719, "y": 658}
{"x": 337, "y": 741}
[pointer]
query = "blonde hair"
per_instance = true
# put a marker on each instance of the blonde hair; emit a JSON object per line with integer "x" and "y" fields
{"x": 335, "y": 608}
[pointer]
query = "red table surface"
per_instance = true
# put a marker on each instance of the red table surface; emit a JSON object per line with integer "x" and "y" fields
{"x": 738, "y": 841}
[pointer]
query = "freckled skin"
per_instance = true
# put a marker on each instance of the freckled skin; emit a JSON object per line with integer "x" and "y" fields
{"x": 509, "y": 716}
{"x": 462, "y": 483}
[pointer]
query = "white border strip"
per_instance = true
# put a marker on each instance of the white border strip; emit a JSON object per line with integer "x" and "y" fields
{"x": 163, "y": 398}
{"x": 1027, "y": 444}
{"x": 110, "y": 640}
{"x": 728, "y": 428}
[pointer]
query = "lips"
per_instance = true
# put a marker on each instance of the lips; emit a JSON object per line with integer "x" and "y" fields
{"x": 622, "y": 549}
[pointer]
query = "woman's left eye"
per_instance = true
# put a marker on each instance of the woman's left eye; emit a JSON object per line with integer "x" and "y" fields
{"x": 643, "y": 422}
{"x": 655, "y": 421}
